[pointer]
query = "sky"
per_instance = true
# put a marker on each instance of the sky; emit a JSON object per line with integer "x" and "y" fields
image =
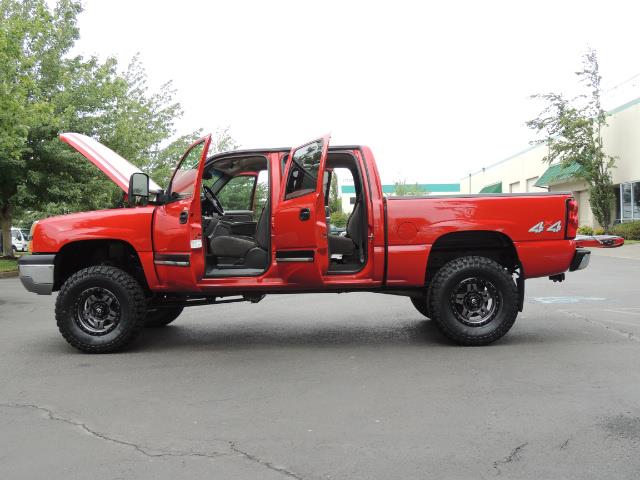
{"x": 437, "y": 89}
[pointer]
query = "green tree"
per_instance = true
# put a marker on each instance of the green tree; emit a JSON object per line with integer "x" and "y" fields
{"x": 31, "y": 37}
{"x": 402, "y": 189}
{"x": 44, "y": 91}
{"x": 335, "y": 202}
{"x": 236, "y": 194}
{"x": 572, "y": 130}
{"x": 162, "y": 162}
{"x": 116, "y": 109}
{"x": 339, "y": 218}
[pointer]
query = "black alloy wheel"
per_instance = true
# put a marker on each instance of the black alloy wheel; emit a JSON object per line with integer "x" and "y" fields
{"x": 473, "y": 300}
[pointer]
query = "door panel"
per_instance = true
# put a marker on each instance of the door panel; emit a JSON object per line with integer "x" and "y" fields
{"x": 177, "y": 228}
{"x": 299, "y": 224}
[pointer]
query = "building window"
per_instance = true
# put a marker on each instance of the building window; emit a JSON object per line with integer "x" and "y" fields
{"x": 352, "y": 200}
{"x": 514, "y": 187}
{"x": 629, "y": 201}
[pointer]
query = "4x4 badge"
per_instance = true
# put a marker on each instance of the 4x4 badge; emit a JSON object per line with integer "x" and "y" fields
{"x": 539, "y": 227}
{"x": 556, "y": 227}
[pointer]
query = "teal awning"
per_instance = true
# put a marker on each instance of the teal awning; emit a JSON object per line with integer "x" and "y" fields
{"x": 424, "y": 187}
{"x": 558, "y": 174}
{"x": 493, "y": 188}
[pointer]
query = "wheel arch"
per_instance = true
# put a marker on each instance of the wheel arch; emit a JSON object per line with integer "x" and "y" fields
{"x": 485, "y": 243}
{"x": 80, "y": 254}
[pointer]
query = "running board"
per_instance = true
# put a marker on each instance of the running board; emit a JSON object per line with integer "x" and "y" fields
{"x": 294, "y": 256}
{"x": 196, "y": 301}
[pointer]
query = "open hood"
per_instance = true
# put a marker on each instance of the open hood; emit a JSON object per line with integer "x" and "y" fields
{"x": 116, "y": 168}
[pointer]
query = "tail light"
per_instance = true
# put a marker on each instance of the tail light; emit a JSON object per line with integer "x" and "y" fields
{"x": 572, "y": 219}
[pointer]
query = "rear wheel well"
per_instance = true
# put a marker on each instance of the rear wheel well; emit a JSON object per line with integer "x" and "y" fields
{"x": 87, "y": 253}
{"x": 482, "y": 243}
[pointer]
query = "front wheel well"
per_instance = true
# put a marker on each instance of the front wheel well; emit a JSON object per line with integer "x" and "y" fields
{"x": 75, "y": 256}
{"x": 481, "y": 243}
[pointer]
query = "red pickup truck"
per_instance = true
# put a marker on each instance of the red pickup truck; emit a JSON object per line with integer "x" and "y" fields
{"x": 236, "y": 226}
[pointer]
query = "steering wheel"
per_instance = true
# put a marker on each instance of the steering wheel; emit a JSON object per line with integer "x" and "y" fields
{"x": 211, "y": 197}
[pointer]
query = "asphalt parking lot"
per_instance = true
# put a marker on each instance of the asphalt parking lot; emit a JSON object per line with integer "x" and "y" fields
{"x": 352, "y": 386}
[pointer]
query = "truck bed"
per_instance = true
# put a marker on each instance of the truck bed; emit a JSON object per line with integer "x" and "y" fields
{"x": 534, "y": 223}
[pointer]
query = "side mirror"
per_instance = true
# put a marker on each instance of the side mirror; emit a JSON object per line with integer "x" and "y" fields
{"x": 138, "y": 187}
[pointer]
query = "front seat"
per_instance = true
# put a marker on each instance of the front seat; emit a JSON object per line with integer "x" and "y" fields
{"x": 347, "y": 245}
{"x": 254, "y": 252}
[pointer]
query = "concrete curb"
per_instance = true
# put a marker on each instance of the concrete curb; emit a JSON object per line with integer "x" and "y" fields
{"x": 8, "y": 274}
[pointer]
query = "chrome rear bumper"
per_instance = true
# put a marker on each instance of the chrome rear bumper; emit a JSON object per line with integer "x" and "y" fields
{"x": 580, "y": 259}
{"x": 36, "y": 273}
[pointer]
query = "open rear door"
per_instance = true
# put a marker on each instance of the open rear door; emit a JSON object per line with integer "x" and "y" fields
{"x": 300, "y": 228}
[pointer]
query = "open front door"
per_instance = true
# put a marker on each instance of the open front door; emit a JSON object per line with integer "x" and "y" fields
{"x": 177, "y": 226}
{"x": 299, "y": 223}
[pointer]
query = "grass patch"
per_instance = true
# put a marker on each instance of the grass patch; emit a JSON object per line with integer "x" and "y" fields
{"x": 8, "y": 265}
{"x": 631, "y": 242}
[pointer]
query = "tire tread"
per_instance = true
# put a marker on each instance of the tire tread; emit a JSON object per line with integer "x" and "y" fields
{"x": 118, "y": 276}
{"x": 437, "y": 285}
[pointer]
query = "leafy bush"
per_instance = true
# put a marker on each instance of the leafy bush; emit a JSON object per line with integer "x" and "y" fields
{"x": 628, "y": 230}
{"x": 339, "y": 219}
{"x": 585, "y": 230}
{"x": 599, "y": 231}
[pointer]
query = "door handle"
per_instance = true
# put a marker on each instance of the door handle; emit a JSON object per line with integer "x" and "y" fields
{"x": 305, "y": 214}
{"x": 184, "y": 216}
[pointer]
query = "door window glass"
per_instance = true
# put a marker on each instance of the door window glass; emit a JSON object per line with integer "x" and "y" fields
{"x": 236, "y": 194}
{"x": 185, "y": 176}
{"x": 303, "y": 174}
{"x": 261, "y": 195}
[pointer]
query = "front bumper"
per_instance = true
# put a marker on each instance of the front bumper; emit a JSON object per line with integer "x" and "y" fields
{"x": 580, "y": 259}
{"x": 36, "y": 273}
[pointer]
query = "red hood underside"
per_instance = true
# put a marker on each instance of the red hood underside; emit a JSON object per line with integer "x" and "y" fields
{"x": 113, "y": 165}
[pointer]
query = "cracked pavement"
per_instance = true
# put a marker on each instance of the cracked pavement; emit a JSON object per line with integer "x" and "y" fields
{"x": 353, "y": 386}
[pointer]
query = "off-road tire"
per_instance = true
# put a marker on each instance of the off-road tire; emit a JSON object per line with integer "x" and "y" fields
{"x": 422, "y": 305}
{"x": 442, "y": 293}
{"x": 161, "y": 317}
{"x": 131, "y": 302}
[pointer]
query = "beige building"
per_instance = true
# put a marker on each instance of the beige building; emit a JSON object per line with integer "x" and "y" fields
{"x": 525, "y": 171}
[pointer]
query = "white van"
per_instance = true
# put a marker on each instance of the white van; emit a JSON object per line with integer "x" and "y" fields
{"x": 19, "y": 240}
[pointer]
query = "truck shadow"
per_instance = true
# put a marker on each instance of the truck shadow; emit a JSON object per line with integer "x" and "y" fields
{"x": 238, "y": 336}
{"x": 247, "y": 335}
